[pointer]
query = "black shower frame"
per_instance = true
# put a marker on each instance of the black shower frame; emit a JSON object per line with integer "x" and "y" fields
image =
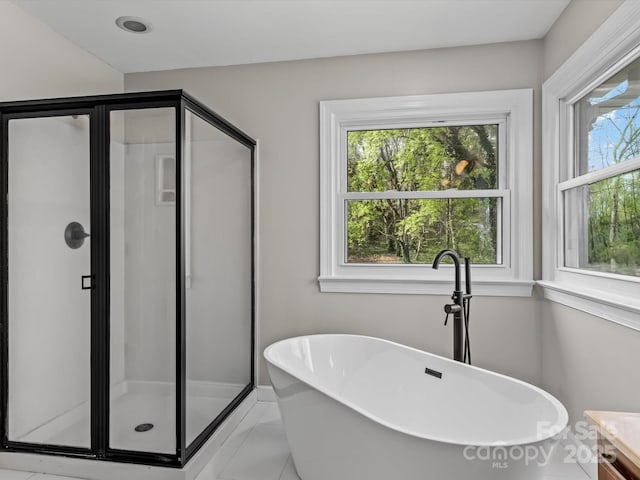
{"x": 98, "y": 108}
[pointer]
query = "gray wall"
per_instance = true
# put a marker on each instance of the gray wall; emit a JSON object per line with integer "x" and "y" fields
{"x": 39, "y": 63}
{"x": 278, "y": 104}
{"x": 588, "y": 362}
{"x": 578, "y": 21}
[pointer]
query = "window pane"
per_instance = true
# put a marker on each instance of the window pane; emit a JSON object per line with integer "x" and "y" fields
{"x": 608, "y": 123}
{"x": 413, "y": 231}
{"x": 433, "y": 158}
{"x": 602, "y": 225}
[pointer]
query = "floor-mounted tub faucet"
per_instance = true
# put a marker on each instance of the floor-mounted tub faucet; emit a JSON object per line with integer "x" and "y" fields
{"x": 460, "y": 306}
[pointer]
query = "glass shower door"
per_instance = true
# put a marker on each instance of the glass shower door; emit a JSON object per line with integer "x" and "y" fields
{"x": 126, "y": 276}
{"x": 218, "y": 270}
{"x": 142, "y": 293}
{"x": 49, "y": 294}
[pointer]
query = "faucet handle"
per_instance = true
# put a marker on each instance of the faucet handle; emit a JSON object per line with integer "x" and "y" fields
{"x": 449, "y": 309}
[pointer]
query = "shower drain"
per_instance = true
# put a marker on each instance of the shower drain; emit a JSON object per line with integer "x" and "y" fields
{"x": 144, "y": 427}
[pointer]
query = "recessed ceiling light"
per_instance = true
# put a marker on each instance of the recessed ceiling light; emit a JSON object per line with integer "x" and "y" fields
{"x": 133, "y": 24}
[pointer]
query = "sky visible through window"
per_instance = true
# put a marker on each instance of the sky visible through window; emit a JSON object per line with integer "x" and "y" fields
{"x": 608, "y": 133}
{"x": 614, "y": 128}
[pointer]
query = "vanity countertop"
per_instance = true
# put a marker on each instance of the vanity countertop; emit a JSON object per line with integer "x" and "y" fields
{"x": 622, "y": 429}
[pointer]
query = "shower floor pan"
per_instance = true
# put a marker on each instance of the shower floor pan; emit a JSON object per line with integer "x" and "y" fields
{"x": 105, "y": 470}
{"x": 142, "y": 416}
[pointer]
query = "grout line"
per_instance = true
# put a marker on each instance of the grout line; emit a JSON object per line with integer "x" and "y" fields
{"x": 231, "y": 457}
{"x": 240, "y": 445}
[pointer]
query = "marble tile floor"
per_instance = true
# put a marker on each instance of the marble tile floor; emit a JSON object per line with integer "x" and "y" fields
{"x": 257, "y": 450}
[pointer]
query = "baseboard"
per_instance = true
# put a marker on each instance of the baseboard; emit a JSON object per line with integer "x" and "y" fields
{"x": 266, "y": 393}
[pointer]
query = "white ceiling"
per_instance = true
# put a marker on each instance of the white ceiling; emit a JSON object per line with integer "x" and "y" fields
{"x": 197, "y": 33}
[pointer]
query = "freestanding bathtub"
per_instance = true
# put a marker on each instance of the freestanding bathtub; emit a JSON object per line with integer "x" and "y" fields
{"x": 357, "y": 407}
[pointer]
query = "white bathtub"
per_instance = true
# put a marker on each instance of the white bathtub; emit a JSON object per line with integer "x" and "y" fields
{"x": 358, "y": 407}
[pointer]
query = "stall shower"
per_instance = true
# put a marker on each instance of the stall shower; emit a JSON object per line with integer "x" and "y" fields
{"x": 127, "y": 299}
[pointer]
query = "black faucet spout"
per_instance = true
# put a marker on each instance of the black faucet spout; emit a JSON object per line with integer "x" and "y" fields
{"x": 456, "y": 260}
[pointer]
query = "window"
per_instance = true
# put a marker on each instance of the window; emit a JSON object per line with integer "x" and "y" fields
{"x": 404, "y": 177}
{"x": 601, "y": 197}
{"x": 413, "y": 191}
{"x": 591, "y": 143}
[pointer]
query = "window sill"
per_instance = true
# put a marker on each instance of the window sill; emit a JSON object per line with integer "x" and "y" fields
{"x": 416, "y": 286}
{"x": 615, "y": 308}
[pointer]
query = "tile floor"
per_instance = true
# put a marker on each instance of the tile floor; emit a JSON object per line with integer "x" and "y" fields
{"x": 257, "y": 450}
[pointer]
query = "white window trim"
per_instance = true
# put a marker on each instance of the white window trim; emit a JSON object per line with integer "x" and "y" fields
{"x": 611, "y": 47}
{"x": 515, "y": 276}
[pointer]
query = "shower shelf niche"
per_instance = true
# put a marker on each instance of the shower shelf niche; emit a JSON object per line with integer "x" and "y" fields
{"x": 164, "y": 335}
{"x": 166, "y": 179}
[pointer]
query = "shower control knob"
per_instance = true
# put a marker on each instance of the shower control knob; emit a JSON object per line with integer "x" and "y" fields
{"x": 452, "y": 308}
{"x": 74, "y": 235}
{"x": 449, "y": 309}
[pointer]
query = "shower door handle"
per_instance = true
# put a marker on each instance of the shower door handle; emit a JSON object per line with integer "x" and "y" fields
{"x": 87, "y": 285}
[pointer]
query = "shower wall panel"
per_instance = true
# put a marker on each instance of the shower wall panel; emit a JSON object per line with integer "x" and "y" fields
{"x": 219, "y": 292}
{"x": 219, "y": 299}
{"x": 150, "y": 269}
